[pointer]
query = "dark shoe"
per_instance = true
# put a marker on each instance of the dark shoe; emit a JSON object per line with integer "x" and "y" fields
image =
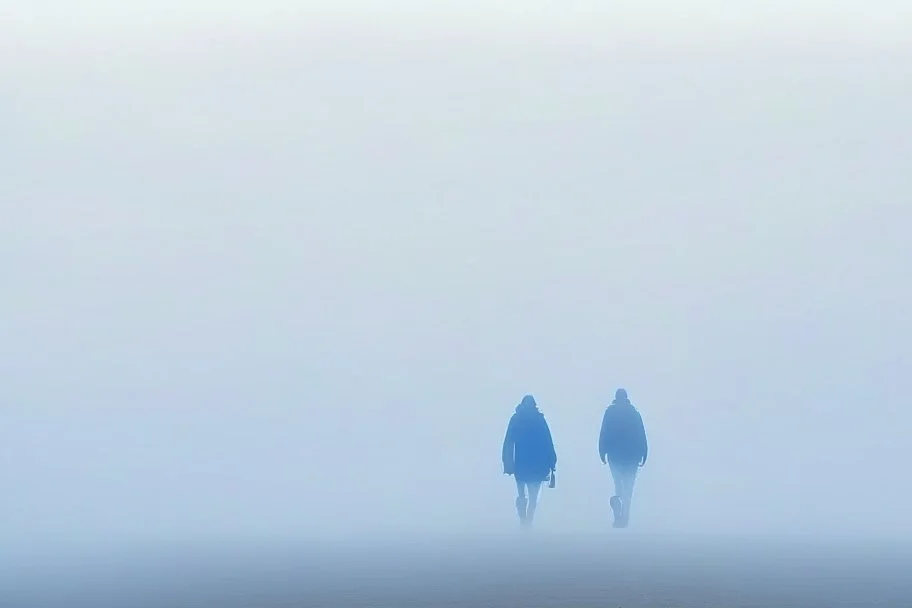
{"x": 615, "y": 503}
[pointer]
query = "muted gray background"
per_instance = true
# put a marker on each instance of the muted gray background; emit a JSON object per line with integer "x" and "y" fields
{"x": 271, "y": 273}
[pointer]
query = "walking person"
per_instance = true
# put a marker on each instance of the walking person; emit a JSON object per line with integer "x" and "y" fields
{"x": 623, "y": 447}
{"x": 529, "y": 456}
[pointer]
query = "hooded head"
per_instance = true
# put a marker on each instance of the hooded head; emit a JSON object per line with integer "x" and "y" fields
{"x": 620, "y": 397}
{"x": 527, "y": 404}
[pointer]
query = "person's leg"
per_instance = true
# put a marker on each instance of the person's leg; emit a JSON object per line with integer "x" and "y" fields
{"x": 521, "y": 501}
{"x": 629, "y": 474}
{"x": 534, "y": 491}
{"x": 615, "y": 502}
{"x": 617, "y": 477}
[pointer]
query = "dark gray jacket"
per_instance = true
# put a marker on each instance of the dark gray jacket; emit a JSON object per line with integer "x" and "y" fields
{"x": 622, "y": 439}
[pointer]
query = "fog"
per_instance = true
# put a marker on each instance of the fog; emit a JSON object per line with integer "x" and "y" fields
{"x": 290, "y": 283}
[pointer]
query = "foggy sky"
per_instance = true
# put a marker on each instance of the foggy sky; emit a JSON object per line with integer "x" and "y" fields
{"x": 875, "y": 20}
{"x": 294, "y": 284}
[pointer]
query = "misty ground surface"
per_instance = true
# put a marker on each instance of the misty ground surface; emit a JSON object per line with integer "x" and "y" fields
{"x": 626, "y": 569}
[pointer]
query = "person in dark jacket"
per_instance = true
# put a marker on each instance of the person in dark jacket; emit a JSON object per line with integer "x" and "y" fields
{"x": 528, "y": 455}
{"x": 623, "y": 447}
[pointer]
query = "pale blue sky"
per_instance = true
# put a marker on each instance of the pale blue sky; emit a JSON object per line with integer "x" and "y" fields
{"x": 874, "y": 20}
{"x": 250, "y": 283}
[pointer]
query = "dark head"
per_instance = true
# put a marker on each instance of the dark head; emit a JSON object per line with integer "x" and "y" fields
{"x": 527, "y": 404}
{"x": 620, "y": 397}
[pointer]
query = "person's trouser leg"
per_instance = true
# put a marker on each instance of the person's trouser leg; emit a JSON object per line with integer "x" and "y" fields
{"x": 618, "y": 477}
{"x": 521, "y": 502}
{"x": 630, "y": 474}
{"x": 615, "y": 502}
{"x": 534, "y": 491}
{"x": 624, "y": 476}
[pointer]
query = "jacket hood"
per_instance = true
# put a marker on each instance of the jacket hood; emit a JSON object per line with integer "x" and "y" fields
{"x": 620, "y": 397}
{"x": 527, "y": 405}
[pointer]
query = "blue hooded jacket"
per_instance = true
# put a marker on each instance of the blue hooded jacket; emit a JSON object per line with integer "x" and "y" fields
{"x": 528, "y": 448}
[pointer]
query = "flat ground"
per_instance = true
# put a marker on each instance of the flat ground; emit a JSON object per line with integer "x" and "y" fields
{"x": 623, "y": 569}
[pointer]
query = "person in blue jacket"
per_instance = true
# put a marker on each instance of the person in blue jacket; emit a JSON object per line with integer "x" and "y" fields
{"x": 529, "y": 456}
{"x": 623, "y": 447}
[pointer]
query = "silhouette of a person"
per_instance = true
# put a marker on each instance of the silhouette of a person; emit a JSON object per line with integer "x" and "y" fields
{"x": 528, "y": 455}
{"x": 623, "y": 447}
